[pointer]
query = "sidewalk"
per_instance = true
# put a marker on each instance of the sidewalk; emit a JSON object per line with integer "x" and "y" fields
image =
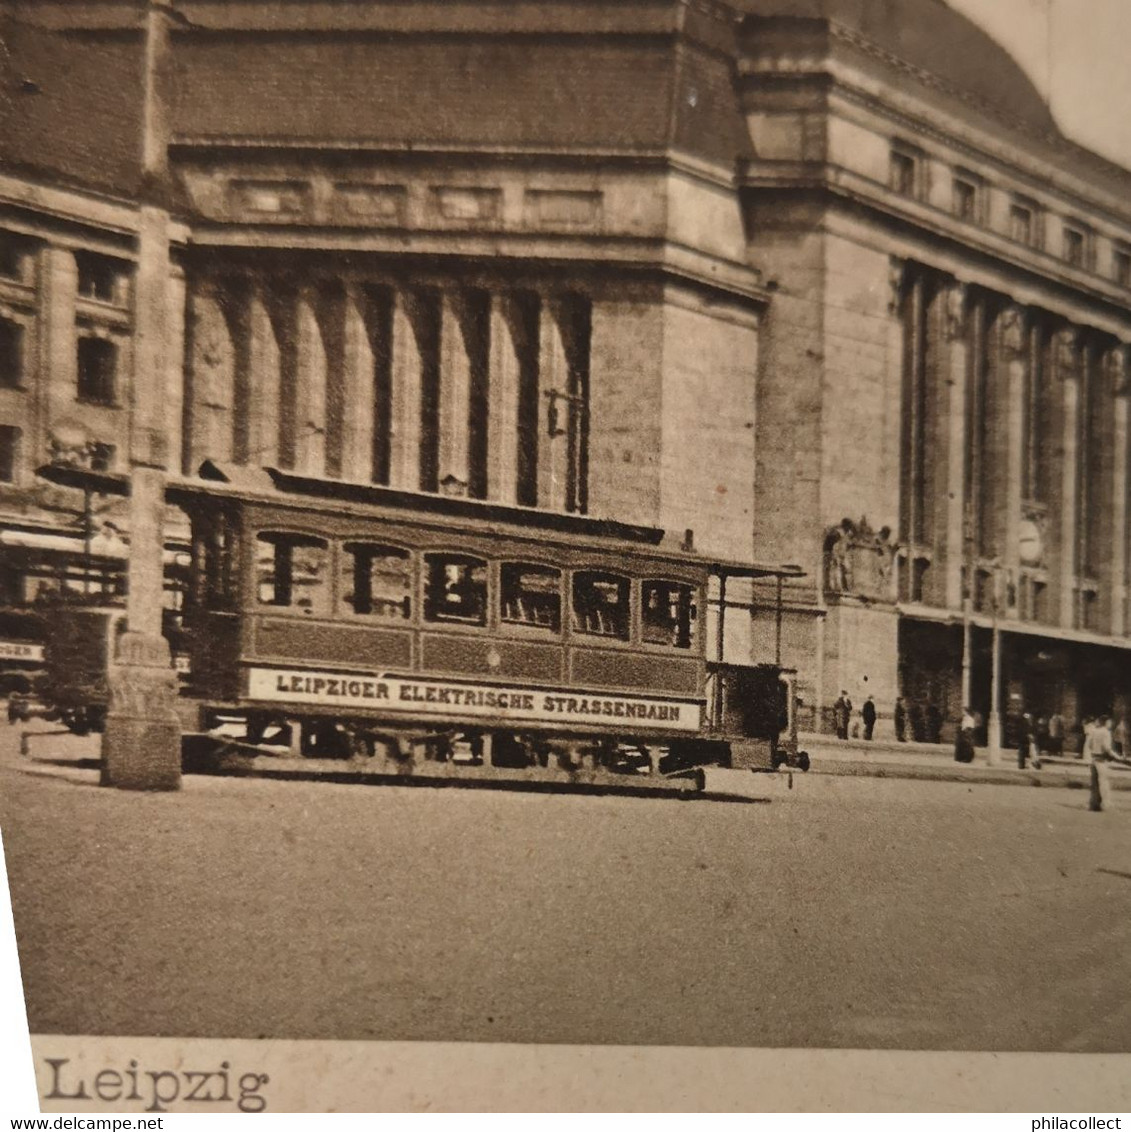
{"x": 54, "y": 751}
{"x": 931, "y": 761}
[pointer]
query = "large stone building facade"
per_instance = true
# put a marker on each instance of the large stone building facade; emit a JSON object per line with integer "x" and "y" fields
{"x": 817, "y": 280}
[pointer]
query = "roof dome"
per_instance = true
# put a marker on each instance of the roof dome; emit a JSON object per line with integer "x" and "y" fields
{"x": 933, "y": 37}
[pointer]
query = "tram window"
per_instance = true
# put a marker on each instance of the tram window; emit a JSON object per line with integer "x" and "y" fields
{"x": 600, "y": 605}
{"x": 377, "y": 580}
{"x": 667, "y": 614}
{"x": 215, "y": 560}
{"x": 531, "y": 595}
{"x": 456, "y": 589}
{"x": 291, "y": 570}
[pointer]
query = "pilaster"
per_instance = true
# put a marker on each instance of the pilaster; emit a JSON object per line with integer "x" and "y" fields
{"x": 1118, "y": 376}
{"x": 264, "y": 384}
{"x": 311, "y": 373}
{"x": 1015, "y": 358}
{"x": 455, "y": 391}
{"x": 958, "y": 355}
{"x": 57, "y": 378}
{"x": 1068, "y": 361}
{"x": 502, "y": 402}
{"x": 358, "y": 394}
{"x": 404, "y": 470}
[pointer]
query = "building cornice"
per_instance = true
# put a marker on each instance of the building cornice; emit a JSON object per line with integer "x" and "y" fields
{"x": 835, "y": 185}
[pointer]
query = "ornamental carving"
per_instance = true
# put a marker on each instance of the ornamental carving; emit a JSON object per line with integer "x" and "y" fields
{"x": 1115, "y": 370}
{"x": 1013, "y": 332}
{"x": 1067, "y": 344}
{"x": 956, "y": 312}
{"x": 859, "y": 561}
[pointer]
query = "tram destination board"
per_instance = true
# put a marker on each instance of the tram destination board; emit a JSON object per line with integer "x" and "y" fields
{"x": 370, "y": 693}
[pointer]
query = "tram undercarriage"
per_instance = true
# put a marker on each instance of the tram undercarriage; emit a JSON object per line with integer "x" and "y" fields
{"x": 399, "y": 749}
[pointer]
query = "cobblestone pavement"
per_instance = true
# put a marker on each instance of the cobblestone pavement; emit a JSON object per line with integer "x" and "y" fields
{"x": 846, "y": 912}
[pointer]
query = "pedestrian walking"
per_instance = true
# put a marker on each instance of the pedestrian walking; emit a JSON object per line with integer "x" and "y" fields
{"x": 1027, "y": 743}
{"x": 964, "y": 739}
{"x": 868, "y": 712}
{"x": 900, "y": 718}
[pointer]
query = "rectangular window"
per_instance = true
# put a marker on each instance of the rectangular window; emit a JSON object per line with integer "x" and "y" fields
{"x": 1121, "y": 263}
{"x": 215, "y": 558}
{"x": 291, "y": 571}
{"x": 531, "y": 595}
{"x": 904, "y": 170}
{"x": 9, "y": 453}
{"x": 1075, "y": 246}
{"x": 11, "y": 354}
{"x": 97, "y": 364}
{"x": 377, "y": 580}
{"x": 455, "y": 589}
{"x": 99, "y": 277}
{"x": 966, "y": 199}
{"x": 600, "y": 605}
{"x": 667, "y": 614}
{"x": 1021, "y": 225}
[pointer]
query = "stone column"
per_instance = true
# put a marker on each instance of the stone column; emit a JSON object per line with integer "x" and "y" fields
{"x": 175, "y": 365}
{"x": 959, "y": 360}
{"x": 141, "y": 747}
{"x": 502, "y": 413}
{"x": 1015, "y": 357}
{"x": 892, "y": 439}
{"x": 56, "y": 383}
{"x": 455, "y": 392}
{"x": 1118, "y": 375}
{"x": 1068, "y": 371}
{"x": 405, "y": 426}
{"x": 355, "y": 461}
{"x": 209, "y": 380}
{"x": 330, "y": 312}
{"x": 553, "y": 381}
{"x": 264, "y": 381}
{"x": 310, "y": 385}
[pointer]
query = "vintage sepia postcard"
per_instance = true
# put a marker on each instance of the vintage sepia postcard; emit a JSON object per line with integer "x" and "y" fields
{"x": 567, "y": 554}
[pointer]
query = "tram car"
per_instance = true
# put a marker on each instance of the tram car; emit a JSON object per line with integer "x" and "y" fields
{"x": 343, "y": 620}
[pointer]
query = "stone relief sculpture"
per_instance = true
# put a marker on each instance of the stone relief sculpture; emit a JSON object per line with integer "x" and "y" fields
{"x": 859, "y": 560}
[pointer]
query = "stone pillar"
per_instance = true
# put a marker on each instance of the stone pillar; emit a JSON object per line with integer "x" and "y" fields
{"x": 359, "y": 394}
{"x": 330, "y": 312}
{"x": 502, "y": 415}
{"x": 210, "y": 379}
{"x": 1015, "y": 357}
{"x": 955, "y": 428}
{"x": 1117, "y": 368}
{"x": 455, "y": 392}
{"x": 310, "y": 385}
{"x": 175, "y": 365}
{"x": 264, "y": 381}
{"x": 56, "y": 383}
{"x": 892, "y": 424}
{"x": 553, "y": 382}
{"x": 1068, "y": 371}
{"x": 141, "y": 747}
{"x": 404, "y": 470}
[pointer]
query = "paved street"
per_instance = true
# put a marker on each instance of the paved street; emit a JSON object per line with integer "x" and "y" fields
{"x": 849, "y": 912}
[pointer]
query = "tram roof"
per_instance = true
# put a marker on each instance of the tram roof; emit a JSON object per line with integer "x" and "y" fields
{"x": 265, "y": 484}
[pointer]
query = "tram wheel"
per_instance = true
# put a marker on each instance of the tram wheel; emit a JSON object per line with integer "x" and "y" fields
{"x": 803, "y": 760}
